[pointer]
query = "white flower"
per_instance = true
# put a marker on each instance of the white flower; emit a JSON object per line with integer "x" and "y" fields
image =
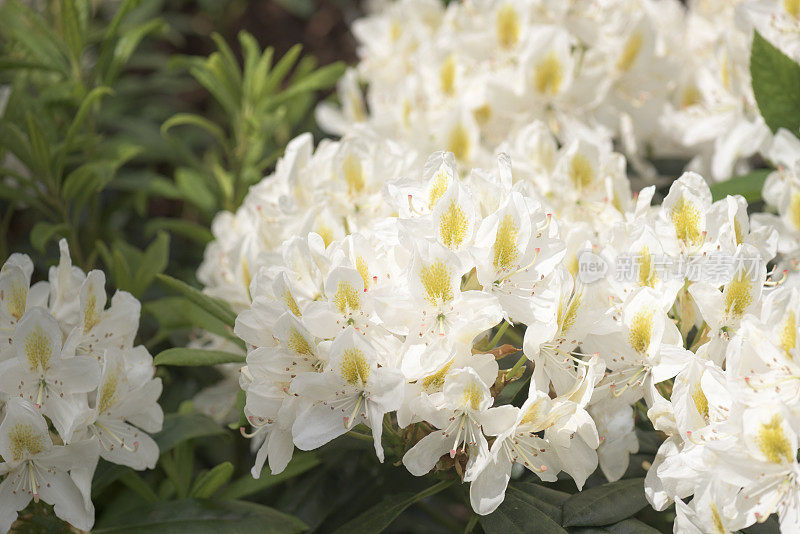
{"x": 45, "y": 376}
{"x": 36, "y": 469}
{"x": 464, "y": 408}
{"x": 353, "y": 389}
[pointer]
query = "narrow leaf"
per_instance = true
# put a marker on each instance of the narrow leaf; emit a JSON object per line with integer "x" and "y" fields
{"x": 215, "y": 307}
{"x": 181, "y": 427}
{"x": 606, "y": 504}
{"x": 247, "y": 485}
{"x": 200, "y": 516}
{"x": 380, "y": 516}
{"x": 208, "y": 483}
{"x": 183, "y": 357}
{"x": 519, "y": 511}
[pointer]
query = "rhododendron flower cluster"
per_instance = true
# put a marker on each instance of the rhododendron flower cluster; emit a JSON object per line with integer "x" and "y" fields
{"x": 474, "y": 234}
{"x": 73, "y": 388}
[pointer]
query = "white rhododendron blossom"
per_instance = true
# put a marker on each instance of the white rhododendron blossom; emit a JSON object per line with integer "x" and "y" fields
{"x": 468, "y": 280}
{"x": 73, "y": 388}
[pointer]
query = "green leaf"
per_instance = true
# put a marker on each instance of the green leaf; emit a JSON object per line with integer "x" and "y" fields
{"x": 154, "y": 261}
{"x": 70, "y": 27}
{"x": 631, "y": 526}
{"x": 519, "y": 511}
{"x": 83, "y": 111}
{"x": 606, "y": 504}
{"x": 279, "y": 72}
{"x": 380, "y": 516}
{"x": 322, "y": 78}
{"x": 247, "y": 485}
{"x": 300, "y": 8}
{"x": 39, "y": 146}
{"x": 182, "y": 227}
{"x": 180, "y": 427}
{"x": 215, "y": 307}
{"x": 200, "y": 516}
{"x": 748, "y": 185}
{"x": 128, "y": 43}
{"x": 134, "y": 482}
{"x": 183, "y": 357}
{"x": 43, "y": 232}
{"x": 776, "y": 85}
{"x": 193, "y": 187}
{"x": 174, "y": 313}
{"x": 180, "y": 119}
{"x": 209, "y": 482}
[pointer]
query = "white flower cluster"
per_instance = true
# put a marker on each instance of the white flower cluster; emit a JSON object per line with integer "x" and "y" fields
{"x": 73, "y": 388}
{"x": 660, "y": 78}
{"x": 369, "y": 282}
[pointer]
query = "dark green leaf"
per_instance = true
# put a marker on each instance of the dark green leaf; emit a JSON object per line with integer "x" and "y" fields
{"x": 135, "y": 483}
{"x": 631, "y": 526}
{"x": 191, "y": 230}
{"x": 748, "y": 185}
{"x": 215, "y": 307}
{"x": 178, "y": 312}
{"x": 519, "y": 511}
{"x": 776, "y": 85}
{"x": 380, "y": 516}
{"x": 247, "y": 485}
{"x": 43, "y": 232}
{"x": 200, "y": 516}
{"x": 154, "y": 261}
{"x": 181, "y": 119}
{"x": 70, "y": 27}
{"x": 209, "y": 482}
{"x": 184, "y": 357}
{"x": 181, "y": 427}
{"x": 606, "y": 504}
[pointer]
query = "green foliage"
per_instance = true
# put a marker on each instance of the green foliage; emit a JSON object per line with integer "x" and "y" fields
{"x": 776, "y": 85}
{"x": 62, "y": 160}
{"x": 201, "y": 516}
{"x": 380, "y": 516}
{"x": 196, "y": 357}
{"x": 748, "y": 185}
{"x": 262, "y": 103}
{"x": 606, "y": 504}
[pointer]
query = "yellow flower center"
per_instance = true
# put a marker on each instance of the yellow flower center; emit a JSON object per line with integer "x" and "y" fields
{"x": 453, "y": 226}
{"x": 25, "y": 440}
{"x": 38, "y": 349}
{"x": 91, "y": 315}
{"x": 354, "y": 368}
{"x": 472, "y": 396}
{"x": 288, "y": 299}
{"x": 581, "y": 172}
{"x": 789, "y": 333}
{"x": 700, "y": 401}
{"x": 507, "y": 25}
{"x": 641, "y": 331}
{"x": 647, "y": 271}
{"x": 630, "y": 52}
{"x": 435, "y": 280}
{"x": 346, "y": 297}
{"x": 773, "y": 442}
{"x": 548, "y": 75}
{"x": 505, "y": 244}
{"x": 353, "y": 174}
{"x": 686, "y": 220}
{"x": 447, "y": 75}
{"x": 738, "y": 294}
{"x": 459, "y": 143}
